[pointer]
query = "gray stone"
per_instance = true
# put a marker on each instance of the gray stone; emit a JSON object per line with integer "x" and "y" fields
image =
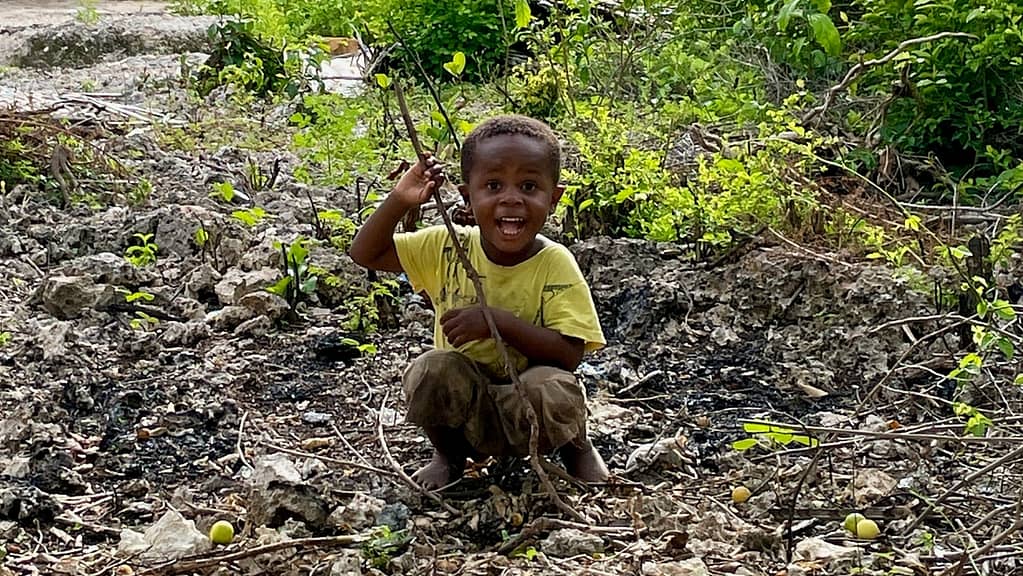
{"x": 183, "y": 333}
{"x": 109, "y": 268}
{"x": 362, "y": 512}
{"x": 316, "y": 418}
{"x": 228, "y": 318}
{"x": 349, "y": 564}
{"x": 237, "y": 283}
{"x": 265, "y": 304}
{"x": 690, "y": 567}
{"x": 567, "y": 542}
{"x": 258, "y": 326}
{"x": 202, "y": 281}
{"x": 66, "y": 297}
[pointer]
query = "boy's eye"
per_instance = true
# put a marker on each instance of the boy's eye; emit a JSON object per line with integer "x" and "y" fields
{"x": 528, "y": 186}
{"x": 493, "y": 185}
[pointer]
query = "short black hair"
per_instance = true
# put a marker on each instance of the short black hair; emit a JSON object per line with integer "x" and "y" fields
{"x": 511, "y": 124}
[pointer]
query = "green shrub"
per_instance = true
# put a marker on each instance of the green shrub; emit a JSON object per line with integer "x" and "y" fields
{"x": 952, "y": 94}
{"x": 433, "y": 31}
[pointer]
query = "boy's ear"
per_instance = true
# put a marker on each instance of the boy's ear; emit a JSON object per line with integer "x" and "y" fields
{"x": 464, "y": 191}
{"x": 556, "y": 195}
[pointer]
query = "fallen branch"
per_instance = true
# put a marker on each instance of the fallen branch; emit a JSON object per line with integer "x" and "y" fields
{"x": 203, "y": 562}
{"x": 397, "y": 467}
{"x": 463, "y": 257}
{"x": 857, "y": 70}
{"x": 545, "y": 524}
{"x": 1018, "y": 452}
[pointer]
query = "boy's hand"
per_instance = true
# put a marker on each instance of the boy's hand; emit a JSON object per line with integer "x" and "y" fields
{"x": 417, "y": 185}
{"x": 464, "y": 325}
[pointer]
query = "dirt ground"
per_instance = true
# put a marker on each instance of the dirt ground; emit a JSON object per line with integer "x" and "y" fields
{"x": 128, "y": 428}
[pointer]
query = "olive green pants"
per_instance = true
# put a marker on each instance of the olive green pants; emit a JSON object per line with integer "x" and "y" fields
{"x": 446, "y": 388}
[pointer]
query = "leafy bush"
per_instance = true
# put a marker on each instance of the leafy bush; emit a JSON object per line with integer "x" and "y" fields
{"x": 952, "y": 94}
{"x": 241, "y": 58}
{"x": 292, "y": 20}
{"x": 434, "y": 31}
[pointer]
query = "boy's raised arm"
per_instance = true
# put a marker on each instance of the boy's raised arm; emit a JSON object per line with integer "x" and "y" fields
{"x": 373, "y": 246}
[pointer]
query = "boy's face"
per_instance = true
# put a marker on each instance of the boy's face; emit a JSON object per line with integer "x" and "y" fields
{"x": 511, "y": 190}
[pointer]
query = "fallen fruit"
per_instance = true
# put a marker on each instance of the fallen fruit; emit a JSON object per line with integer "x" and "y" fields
{"x": 851, "y": 521}
{"x": 222, "y": 532}
{"x": 740, "y": 494}
{"x": 867, "y": 529}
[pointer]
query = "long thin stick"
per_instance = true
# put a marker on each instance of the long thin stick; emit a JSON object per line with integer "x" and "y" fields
{"x": 463, "y": 257}
{"x": 188, "y": 566}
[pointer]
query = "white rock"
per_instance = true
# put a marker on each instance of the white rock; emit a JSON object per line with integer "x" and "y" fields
{"x": 237, "y": 283}
{"x": 690, "y": 567}
{"x": 275, "y": 468}
{"x": 171, "y": 538}
{"x": 360, "y": 513}
{"x": 818, "y": 550}
{"x": 567, "y": 542}
{"x": 264, "y": 303}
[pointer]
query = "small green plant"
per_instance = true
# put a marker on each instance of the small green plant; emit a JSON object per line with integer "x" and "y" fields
{"x": 251, "y": 216}
{"x": 143, "y": 253}
{"x": 367, "y": 349}
{"x": 143, "y": 321}
{"x": 384, "y": 545}
{"x": 770, "y": 436}
{"x": 87, "y": 13}
{"x": 5, "y": 338}
{"x": 223, "y": 190}
{"x": 338, "y": 228}
{"x": 365, "y": 311}
{"x": 140, "y": 192}
{"x": 298, "y": 282}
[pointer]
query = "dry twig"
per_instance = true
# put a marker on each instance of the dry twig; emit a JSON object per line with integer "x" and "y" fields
{"x": 202, "y": 563}
{"x": 860, "y": 68}
{"x": 397, "y": 467}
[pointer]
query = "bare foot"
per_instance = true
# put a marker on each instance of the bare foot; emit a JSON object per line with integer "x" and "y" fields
{"x": 584, "y": 463}
{"x": 439, "y": 472}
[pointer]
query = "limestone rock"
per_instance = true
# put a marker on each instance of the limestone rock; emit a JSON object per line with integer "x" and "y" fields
{"x": 237, "y": 283}
{"x": 567, "y": 542}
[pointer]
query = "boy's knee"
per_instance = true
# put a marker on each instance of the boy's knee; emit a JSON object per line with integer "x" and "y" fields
{"x": 439, "y": 387}
{"x": 543, "y": 382}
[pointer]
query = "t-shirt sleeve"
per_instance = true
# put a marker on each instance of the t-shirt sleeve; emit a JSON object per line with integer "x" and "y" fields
{"x": 419, "y": 254}
{"x": 567, "y": 303}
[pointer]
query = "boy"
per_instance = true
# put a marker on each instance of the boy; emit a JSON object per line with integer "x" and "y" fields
{"x": 459, "y": 392}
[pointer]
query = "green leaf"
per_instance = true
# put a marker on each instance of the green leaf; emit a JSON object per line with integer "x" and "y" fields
{"x": 281, "y": 287}
{"x": 585, "y": 204}
{"x": 744, "y": 444}
{"x": 383, "y": 81}
{"x": 805, "y": 440}
{"x": 982, "y": 308}
{"x": 755, "y": 427}
{"x": 522, "y": 13}
{"x": 1018, "y": 380}
{"x": 139, "y": 296}
{"x": 1004, "y": 310}
{"x": 788, "y": 10}
{"x": 457, "y": 64}
{"x": 782, "y": 438}
{"x": 1006, "y": 347}
{"x": 822, "y": 6}
{"x": 309, "y": 285}
{"x": 825, "y": 33}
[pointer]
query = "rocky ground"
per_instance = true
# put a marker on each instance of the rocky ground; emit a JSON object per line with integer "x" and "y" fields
{"x": 128, "y": 427}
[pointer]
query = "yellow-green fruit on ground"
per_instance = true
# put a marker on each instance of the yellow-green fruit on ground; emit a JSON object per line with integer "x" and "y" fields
{"x": 740, "y": 494}
{"x": 851, "y": 521}
{"x": 867, "y": 529}
{"x": 222, "y": 532}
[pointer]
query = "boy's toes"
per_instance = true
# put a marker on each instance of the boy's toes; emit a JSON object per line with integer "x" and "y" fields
{"x": 437, "y": 474}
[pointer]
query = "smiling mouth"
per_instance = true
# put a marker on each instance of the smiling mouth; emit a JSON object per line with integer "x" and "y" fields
{"x": 511, "y": 227}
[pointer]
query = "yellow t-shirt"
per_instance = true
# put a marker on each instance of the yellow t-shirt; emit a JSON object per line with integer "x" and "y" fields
{"x": 548, "y": 289}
